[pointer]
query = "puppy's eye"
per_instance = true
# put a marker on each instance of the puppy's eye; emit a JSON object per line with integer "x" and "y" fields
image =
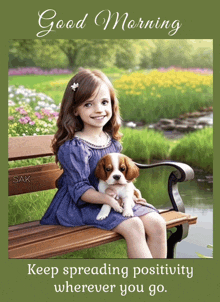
{"x": 122, "y": 169}
{"x": 107, "y": 169}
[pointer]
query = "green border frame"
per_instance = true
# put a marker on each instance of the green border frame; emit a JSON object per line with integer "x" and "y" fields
{"x": 20, "y": 20}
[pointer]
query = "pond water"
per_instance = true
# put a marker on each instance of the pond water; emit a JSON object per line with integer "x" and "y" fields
{"x": 197, "y": 196}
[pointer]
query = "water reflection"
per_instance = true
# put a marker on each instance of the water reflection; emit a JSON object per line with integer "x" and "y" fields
{"x": 197, "y": 196}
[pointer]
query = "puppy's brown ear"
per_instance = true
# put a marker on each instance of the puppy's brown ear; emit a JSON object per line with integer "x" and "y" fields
{"x": 100, "y": 172}
{"x": 132, "y": 170}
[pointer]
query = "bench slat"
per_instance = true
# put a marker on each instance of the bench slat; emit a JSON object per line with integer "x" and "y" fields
{"x": 64, "y": 244}
{"x": 29, "y": 147}
{"x": 30, "y": 240}
{"x": 39, "y": 234}
{"x": 33, "y": 178}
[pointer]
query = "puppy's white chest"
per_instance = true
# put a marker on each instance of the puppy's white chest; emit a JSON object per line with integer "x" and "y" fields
{"x": 123, "y": 190}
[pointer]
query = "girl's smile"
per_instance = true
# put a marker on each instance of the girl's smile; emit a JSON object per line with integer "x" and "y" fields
{"x": 96, "y": 111}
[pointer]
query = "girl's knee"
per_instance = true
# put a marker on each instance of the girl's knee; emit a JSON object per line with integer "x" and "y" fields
{"x": 154, "y": 224}
{"x": 131, "y": 227}
{"x": 161, "y": 222}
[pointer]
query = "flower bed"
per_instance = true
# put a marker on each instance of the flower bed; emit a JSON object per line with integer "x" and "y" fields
{"x": 30, "y": 113}
{"x": 151, "y": 96}
{"x": 195, "y": 70}
{"x": 36, "y": 71}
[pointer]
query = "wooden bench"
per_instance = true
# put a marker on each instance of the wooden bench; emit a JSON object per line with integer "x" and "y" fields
{"x": 32, "y": 240}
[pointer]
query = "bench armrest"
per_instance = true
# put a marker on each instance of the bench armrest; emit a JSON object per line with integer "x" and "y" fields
{"x": 183, "y": 172}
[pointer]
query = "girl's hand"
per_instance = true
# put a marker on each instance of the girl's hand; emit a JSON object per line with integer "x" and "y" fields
{"x": 141, "y": 201}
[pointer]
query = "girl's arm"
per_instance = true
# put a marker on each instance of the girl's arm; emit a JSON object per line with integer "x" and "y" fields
{"x": 93, "y": 196}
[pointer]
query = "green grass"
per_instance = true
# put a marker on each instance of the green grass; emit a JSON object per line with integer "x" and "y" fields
{"x": 28, "y": 207}
{"x": 145, "y": 144}
{"x": 195, "y": 149}
{"x": 150, "y": 109}
{"x": 115, "y": 249}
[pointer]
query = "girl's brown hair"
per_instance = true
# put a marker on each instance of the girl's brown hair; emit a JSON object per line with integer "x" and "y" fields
{"x": 68, "y": 123}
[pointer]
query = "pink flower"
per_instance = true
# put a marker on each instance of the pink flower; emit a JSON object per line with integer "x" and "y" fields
{"x": 22, "y": 111}
{"x": 55, "y": 114}
{"x": 38, "y": 115}
{"x": 10, "y": 118}
{"x": 46, "y": 112}
{"x": 32, "y": 123}
{"x": 23, "y": 120}
{"x": 18, "y": 109}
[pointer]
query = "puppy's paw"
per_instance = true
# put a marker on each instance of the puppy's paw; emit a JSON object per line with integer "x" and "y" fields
{"x": 101, "y": 216}
{"x": 118, "y": 209}
{"x": 116, "y": 206}
{"x": 128, "y": 213}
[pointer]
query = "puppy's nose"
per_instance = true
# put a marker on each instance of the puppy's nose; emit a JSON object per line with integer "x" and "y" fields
{"x": 117, "y": 177}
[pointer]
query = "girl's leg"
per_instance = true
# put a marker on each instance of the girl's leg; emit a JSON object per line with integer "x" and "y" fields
{"x": 133, "y": 231}
{"x": 155, "y": 228}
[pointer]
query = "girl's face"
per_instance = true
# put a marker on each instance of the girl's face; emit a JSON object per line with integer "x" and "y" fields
{"x": 97, "y": 110}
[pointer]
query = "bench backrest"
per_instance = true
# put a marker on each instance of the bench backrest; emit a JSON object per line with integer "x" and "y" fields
{"x": 32, "y": 178}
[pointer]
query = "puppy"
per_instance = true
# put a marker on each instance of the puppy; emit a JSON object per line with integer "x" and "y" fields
{"x": 116, "y": 173}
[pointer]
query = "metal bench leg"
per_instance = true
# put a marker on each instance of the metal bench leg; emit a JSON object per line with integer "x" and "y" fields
{"x": 179, "y": 235}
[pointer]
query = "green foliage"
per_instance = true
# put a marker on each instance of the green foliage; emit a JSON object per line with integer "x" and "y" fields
{"x": 144, "y": 145}
{"x": 100, "y": 53}
{"x": 202, "y": 57}
{"x": 116, "y": 250}
{"x": 196, "y": 149}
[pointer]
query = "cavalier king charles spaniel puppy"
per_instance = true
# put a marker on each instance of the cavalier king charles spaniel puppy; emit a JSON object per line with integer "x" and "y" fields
{"x": 116, "y": 173}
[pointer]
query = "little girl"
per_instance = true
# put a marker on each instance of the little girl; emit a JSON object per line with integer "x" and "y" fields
{"x": 88, "y": 128}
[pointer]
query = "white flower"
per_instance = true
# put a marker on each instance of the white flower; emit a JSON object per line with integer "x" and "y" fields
{"x": 11, "y": 103}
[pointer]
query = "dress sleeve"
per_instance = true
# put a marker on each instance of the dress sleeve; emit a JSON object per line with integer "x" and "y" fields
{"x": 118, "y": 146}
{"x": 74, "y": 159}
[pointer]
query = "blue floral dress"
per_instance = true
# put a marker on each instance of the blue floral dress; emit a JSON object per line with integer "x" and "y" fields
{"x": 78, "y": 159}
